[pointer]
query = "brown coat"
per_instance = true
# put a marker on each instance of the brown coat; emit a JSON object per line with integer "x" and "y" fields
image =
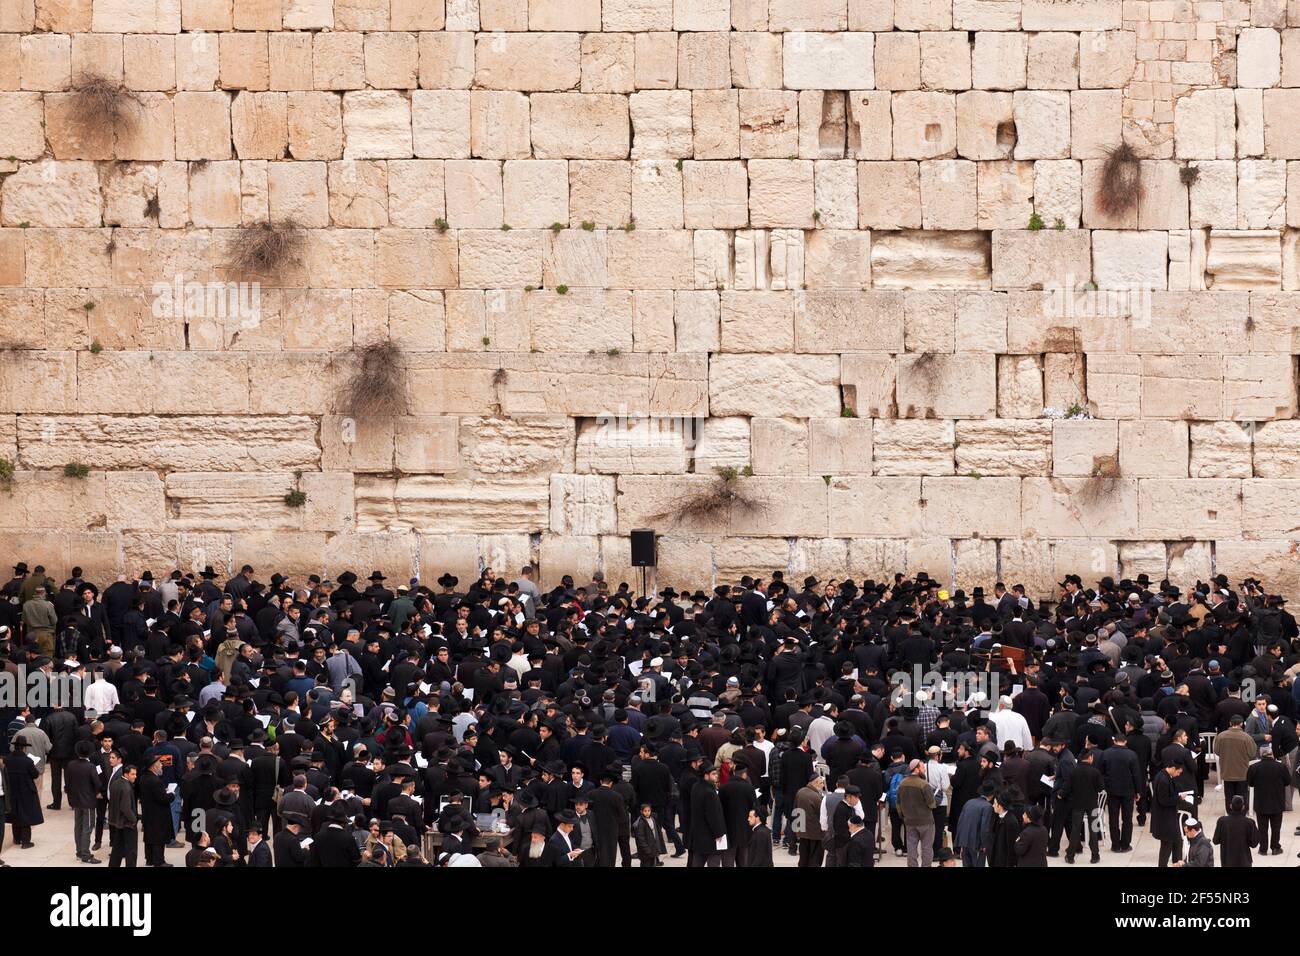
{"x": 1235, "y": 750}
{"x": 916, "y": 801}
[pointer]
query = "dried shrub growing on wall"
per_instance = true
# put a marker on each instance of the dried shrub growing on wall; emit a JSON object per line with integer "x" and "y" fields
{"x": 98, "y": 106}
{"x": 1121, "y": 181}
{"x": 1105, "y": 480}
{"x": 377, "y": 385}
{"x": 265, "y": 249}
{"x": 713, "y": 500}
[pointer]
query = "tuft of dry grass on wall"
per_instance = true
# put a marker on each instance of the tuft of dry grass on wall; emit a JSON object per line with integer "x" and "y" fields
{"x": 926, "y": 367}
{"x": 376, "y": 387}
{"x": 1121, "y": 181}
{"x": 1104, "y": 482}
{"x": 99, "y": 106}
{"x": 713, "y": 500}
{"x": 266, "y": 248}
{"x": 1188, "y": 175}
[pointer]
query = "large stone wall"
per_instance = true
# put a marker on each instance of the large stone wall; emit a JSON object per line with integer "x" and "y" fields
{"x": 798, "y": 234}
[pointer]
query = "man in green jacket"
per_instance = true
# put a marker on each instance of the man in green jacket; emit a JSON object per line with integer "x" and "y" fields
{"x": 916, "y": 807}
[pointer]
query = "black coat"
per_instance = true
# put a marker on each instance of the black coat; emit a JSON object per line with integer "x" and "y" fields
{"x": 737, "y": 798}
{"x": 1166, "y": 802}
{"x": 1268, "y": 781}
{"x": 155, "y": 810}
{"x": 288, "y": 849}
{"x": 609, "y": 822}
{"x": 861, "y": 850}
{"x": 1002, "y": 845}
{"x": 760, "y": 847}
{"x": 21, "y": 796}
{"x": 1031, "y": 846}
{"x": 707, "y": 820}
{"x": 1235, "y": 835}
{"x": 84, "y": 785}
{"x": 334, "y": 846}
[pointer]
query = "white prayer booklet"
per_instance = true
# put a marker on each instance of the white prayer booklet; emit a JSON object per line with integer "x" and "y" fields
{"x": 722, "y": 843}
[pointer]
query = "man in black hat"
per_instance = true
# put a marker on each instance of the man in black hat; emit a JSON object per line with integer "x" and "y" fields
{"x": 123, "y": 819}
{"x": 287, "y": 843}
{"x": 561, "y": 848}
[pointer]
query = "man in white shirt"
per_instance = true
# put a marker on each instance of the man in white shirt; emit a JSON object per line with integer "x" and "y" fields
{"x": 101, "y": 695}
{"x": 1011, "y": 726}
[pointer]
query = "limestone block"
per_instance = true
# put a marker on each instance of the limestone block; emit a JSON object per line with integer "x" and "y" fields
{"x": 1205, "y": 125}
{"x": 778, "y": 446}
{"x": 1114, "y": 385}
{"x": 986, "y": 125}
{"x": 1277, "y": 450}
{"x": 415, "y": 193}
{"x": 828, "y": 61}
{"x": 1220, "y": 450}
{"x": 1069, "y": 15}
{"x": 721, "y": 443}
{"x": 870, "y": 126}
{"x": 696, "y": 319}
{"x": 777, "y": 385}
{"x": 1243, "y": 260}
{"x": 986, "y": 15}
{"x": 1107, "y": 59}
{"x": 377, "y": 124}
{"x": 1250, "y": 123}
{"x": 1258, "y": 387}
{"x": 898, "y": 61}
{"x": 651, "y": 259}
{"x": 1043, "y": 259}
{"x": 1079, "y": 508}
{"x": 925, "y": 125}
{"x": 1042, "y": 124}
{"x": 1184, "y": 386}
{"x": 945, "y": 61}
{"x": 917, "y": 260}
{"x": 839, "y": 446}
{"x": 661, "y": 122}
{"x": 657, "y": 195}
{"x": 1079, "y": 444}
{"x": 1259, "y": 58}
{"x": 837, "y": 259}
{"x": 949, "y": 196}
{"x": 1005, "y": 447}
{"x": 1261, "y": 194}
{"x": 657, "y": 501}
{"x": 1006, "y": 194}
{"x": 703, "y": 61}
{"x": 768, "y": 513}
{"x": 1273, "y": 561}
{"x": 1130, "y": 260}
{"x": 912, "y": 447}
{"x": 756, "y": 61}
{"x": 1143, "y": 557}
{"x": 424, "y": 502}
{"x": 600, "y": 192}
{"x": 923, "y": 15}
{"x": 889, "y": 195}
{"x": 338, "y": 61}
{"x": 580, "y": 126}
{"x": 582, "y": 504}
{"x": 781, "y": 193}
{"x": 644, "y": 446}
{"x": 1189, "y": 561}
{"x": 757, "y": 321}
{"x": 1191, "y": 508}
{"x": 1020, "y": 386}
{"x": 492, "y": 259}
{"x": 1153, "y": 449}
{"x": 716, "y": 120}
{"x": 441, "y": 123}
{"x": 714, "y": 260}
{"x": 842, "y": 321}
{"x": 868, "y": 379}
{"x": 52, "y": 194}
{"x": 576, "y": 258}
{"x": 716, "y": 195}
{"x": 885, "y": 507}
{"x": 527, "y": 62}
{"x": 637, "y": 15}
{"x": 998, "y": 60}
{"x": 961, "y": 506}
{"x": 303, "y": 15}
{"x": 929, "y": 320}
{"x": 474, "y": 194}
{"x": 415, "y": 258}
{"x": 24, "y": 134}
{"x": 207, "y": 501}
{"x": 315, "y": 124}
{"x": 656, "y": 61}
{"x": 1095, "y": 122}
{"x": 446, "y": 60}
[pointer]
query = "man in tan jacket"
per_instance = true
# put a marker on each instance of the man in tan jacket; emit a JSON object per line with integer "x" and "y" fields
{"x": 916, "y": 807}
{"x": 1235, "y": 750}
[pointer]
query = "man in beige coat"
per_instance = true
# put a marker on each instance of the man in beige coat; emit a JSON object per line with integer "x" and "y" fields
{"x": 1235, "y": 750}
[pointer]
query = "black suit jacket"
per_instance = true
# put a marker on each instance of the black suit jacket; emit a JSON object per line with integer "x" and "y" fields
{"x": 760, "y": 847}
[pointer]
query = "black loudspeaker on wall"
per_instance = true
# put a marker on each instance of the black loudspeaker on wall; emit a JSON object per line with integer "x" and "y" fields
{"x": 643, "y": 548}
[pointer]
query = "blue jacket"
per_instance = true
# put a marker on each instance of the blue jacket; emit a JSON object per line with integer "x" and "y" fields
{"x": 974, "y": 825}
